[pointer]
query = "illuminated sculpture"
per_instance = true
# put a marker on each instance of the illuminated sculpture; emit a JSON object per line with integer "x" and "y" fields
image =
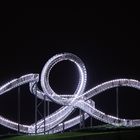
{"x": 80, "y": 99}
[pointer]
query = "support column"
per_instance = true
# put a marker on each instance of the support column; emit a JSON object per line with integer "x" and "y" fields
{"x": 18, "y": 108}
{"x": 117, "y": 102}
{"x": 91, "y": 122}
{"x": 36, "y": 113}
{"x": 63, "y": 127}
{"x": 83, "y": 119}
{"x": 48, "y": 110}
{"x": 44, "y": 114}
{"x": 82, "y": 123}
{"x": 80, "y": 118}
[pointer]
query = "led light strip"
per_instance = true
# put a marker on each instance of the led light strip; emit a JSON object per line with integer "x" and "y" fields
{"x": 55, "y": 122}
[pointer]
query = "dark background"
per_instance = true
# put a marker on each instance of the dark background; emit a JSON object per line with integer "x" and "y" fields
{"x": 106, "y": 40}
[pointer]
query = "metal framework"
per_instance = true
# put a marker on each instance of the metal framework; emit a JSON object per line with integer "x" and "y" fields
{"x": 81, "y": 99}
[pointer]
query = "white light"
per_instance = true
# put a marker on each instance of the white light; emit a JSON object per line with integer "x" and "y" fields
{"x": 80, "y": 99}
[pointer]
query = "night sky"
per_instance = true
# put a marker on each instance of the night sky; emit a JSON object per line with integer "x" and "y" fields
{"x": 106, "y": 40}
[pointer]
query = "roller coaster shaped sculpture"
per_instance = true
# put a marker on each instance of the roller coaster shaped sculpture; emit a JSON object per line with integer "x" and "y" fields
{"x": 80, "y": 99}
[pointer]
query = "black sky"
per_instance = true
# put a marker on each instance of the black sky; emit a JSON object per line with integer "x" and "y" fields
{"x": 106, "y": 40}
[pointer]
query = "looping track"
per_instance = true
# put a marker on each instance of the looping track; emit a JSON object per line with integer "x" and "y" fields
{"x": 80, "y": 99}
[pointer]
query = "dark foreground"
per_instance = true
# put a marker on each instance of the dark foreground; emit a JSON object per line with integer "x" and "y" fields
{"x": 96, "y": 133}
